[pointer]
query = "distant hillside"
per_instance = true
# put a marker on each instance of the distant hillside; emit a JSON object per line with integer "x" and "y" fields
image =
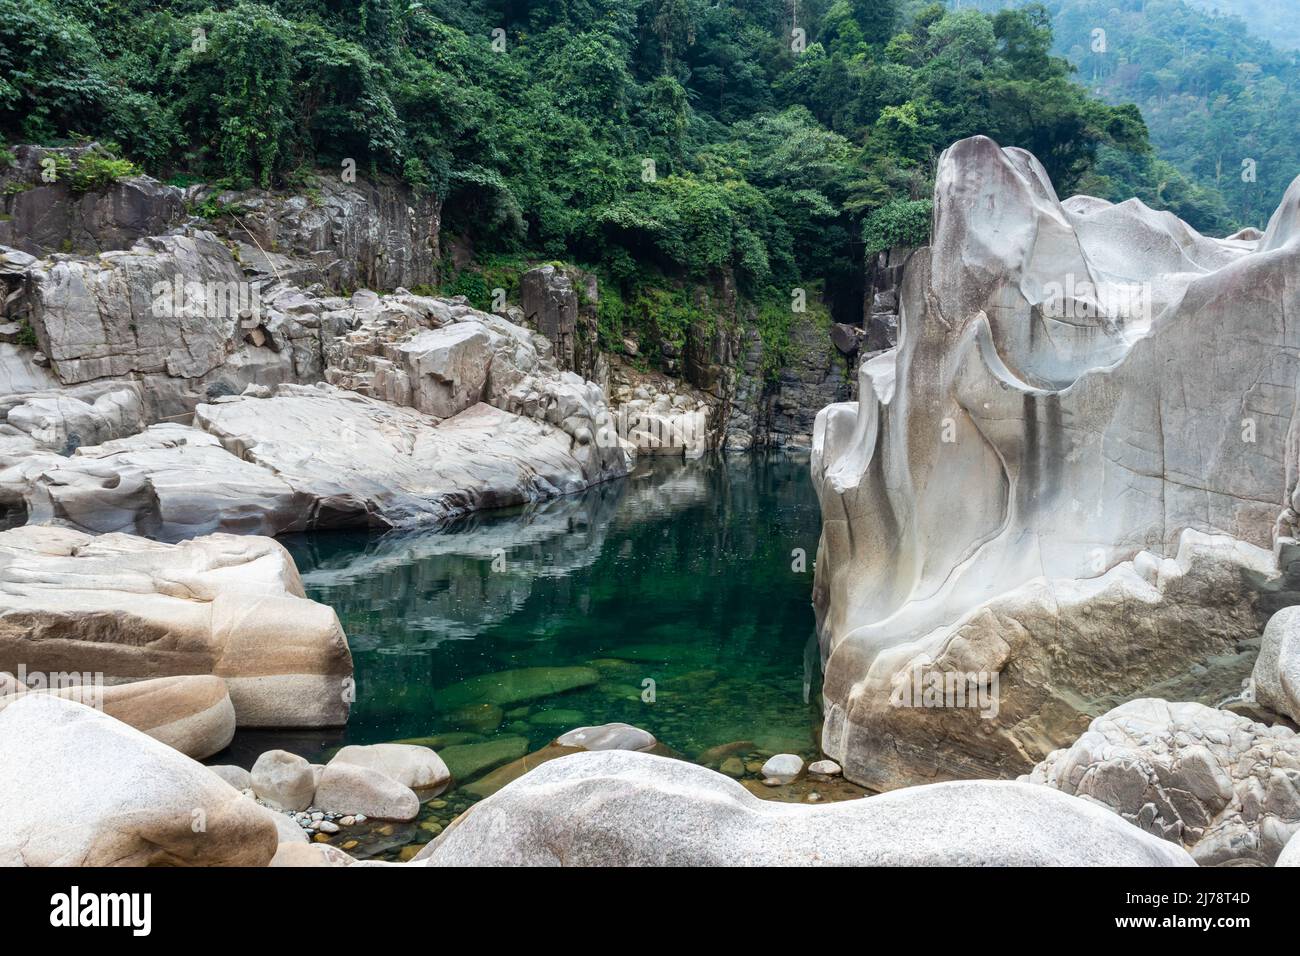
{"x": 1277, "y": 21}
{"x": 1219, "y": 102}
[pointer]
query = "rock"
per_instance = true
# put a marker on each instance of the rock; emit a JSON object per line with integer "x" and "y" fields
{"x": 559, "y": 717}
{"x": 715, "y": 755}
{"x": 310, "y": 854}
{"x": 51, "y": 217}
{"x": 614, "y": 736}
{"x": 1277, "y": 670}
{"x": 827, "y": 768}
{"x": 95, "y": 792}
{"x": 1220, "y": 785}
{"x": 1290, "y": 855}
{"x": 446, "y": 369}
{"x": 1070, "y": 423}
{"x": 416, "y": 767}
{"x": 351, "y": 789}
{"x": 483, "y": 718}
{"x": 190, "y": 714}
{"x": 288, "y": 828}
{"x": 632, "y": 809}
{"x": 130, "y": 609}
{"x": 467, "y": 761}
{"x": 733, "y": 767}
{"x": 782, "y": 768}
{"x": 514, "y": 686}
{"x": 284, "y": 780}
{"x": 550, "y": 303}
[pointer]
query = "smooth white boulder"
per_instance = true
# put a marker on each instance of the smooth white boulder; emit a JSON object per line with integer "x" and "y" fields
{"x": 620, "y": 808}
{"x": 283, "y": 780}
{"x": 782, "y": 768}
{"x": 1224, "y": 787}
{"x": 351, "y": 789}
{"x": 612, "y": 736}
{"x": 419, "y": 768}
{"x": 128, "y": 609}
{"x": 83, "y": 789}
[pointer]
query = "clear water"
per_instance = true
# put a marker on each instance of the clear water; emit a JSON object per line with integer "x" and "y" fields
{"x": 681, "y": 580}
{"x": 692, "y": 580}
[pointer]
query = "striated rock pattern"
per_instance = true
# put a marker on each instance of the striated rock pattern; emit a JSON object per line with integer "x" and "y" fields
{"x": 124, "y": 609}
{"x": 1076, "y": 383}
{"x": 1224, "y": 787}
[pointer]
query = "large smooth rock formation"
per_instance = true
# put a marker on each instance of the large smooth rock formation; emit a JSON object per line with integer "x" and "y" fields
{"x": 1276, "y": 677}
{"x": 1076, "y": 386}
{"x": 127, "y": 609}
{"x": 1226, "y": 788}
{"x": 621, "y": 808}
{"x": 192, "y": 714}
{"x": 83, "y": 789}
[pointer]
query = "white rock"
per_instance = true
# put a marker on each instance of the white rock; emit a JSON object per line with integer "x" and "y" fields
{"x": 412, "y": 766}
{"x": 348, "y": 788}
{"x": 620, "y": 808}
{"x": 782, "y": 768}
{"x": 1277, "y": 669}
{"x": 613, "y": 736}
{"x": 95, "y": 792}
{"x": 827, "y": 768}
{"x": 131, "y": 609}
{"x": 237, "y": 777}
{"x": 1224, "y": 787}
{"x": 284, "y": 780}
{"x": 1049, "y": 415}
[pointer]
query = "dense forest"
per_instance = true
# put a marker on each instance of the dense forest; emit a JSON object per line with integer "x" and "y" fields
{"x": 775, "y": 141}
{"x": 1220, "y": 102}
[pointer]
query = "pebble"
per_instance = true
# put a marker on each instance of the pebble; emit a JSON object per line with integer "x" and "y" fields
{"x": 827, "y": 768}
{"x": 327, "y": 827}
{"x": 348, "y": 821}
{"x": 782, "y": 768}
{"x": 360, "y": 818}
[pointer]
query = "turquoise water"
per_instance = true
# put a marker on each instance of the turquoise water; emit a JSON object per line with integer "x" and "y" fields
{"x": 672, "y": 599}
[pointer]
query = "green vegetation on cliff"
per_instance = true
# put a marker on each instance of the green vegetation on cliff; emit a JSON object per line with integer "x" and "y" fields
{"x": 685, "y": 137}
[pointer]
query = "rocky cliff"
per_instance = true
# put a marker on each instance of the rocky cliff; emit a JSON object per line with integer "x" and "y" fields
{"x": 1064, "y": 487}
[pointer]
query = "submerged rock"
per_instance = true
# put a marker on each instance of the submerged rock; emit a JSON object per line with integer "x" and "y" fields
{"x": 126, "y": 609}
{"x": 1049, "y": 416}
{"x": 515, "y": 686}
{"x": 1222, "y": 786}
{"x": 94, "y": 792}
{"x": 467, "y": 761}
{"x": 618, "y": 808}
{"x": 613, "y": 736}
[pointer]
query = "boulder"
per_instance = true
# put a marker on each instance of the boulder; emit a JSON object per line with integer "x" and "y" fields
{"x": 782, "y": 768}
{"x": 1290, "y": 855}
{"x": 1277, "y": 670}
{"x": 95, "y": 792}
{"x": 1224, "y": 787}
{"x": 237, "y": 777}
{"x": 126, "y": 609}
{"x": 614, "y": 736}
{"x": 349, "y": 788}
{"x": 410, "y": 765}
{"x": 191, "y": 714}
{"x": 283, "y": 780}
{"x": 620, "y": 808}
{"x": 1048, "y": 416}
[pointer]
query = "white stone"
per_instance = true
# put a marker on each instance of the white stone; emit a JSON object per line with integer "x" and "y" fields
{"x": 410, "y": 765}
{"x": 782, "y": 768}
{"x": 283, "y": 780}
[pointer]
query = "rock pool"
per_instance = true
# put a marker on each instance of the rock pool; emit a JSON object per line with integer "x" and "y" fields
{"x": 677, "y": 600}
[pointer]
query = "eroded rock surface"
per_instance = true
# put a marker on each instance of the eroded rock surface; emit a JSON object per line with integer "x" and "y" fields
{"x": 1224, "y": 787}
{"x": 130, "y": 609}
{"x": 1075, "y": 384}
